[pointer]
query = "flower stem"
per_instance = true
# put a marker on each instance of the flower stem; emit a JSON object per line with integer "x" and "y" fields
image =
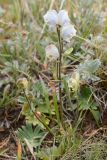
{"x": 59, "y": 74}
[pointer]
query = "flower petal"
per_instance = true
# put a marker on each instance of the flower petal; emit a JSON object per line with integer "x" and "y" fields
{"x": 63, "y": 18}
{"x": 52, "y": 52}
{"x": 51, "y": 18}
{"x": 67, "y": 32}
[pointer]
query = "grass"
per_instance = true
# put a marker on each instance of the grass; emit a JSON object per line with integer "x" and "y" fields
{"x": 33, "y": 123}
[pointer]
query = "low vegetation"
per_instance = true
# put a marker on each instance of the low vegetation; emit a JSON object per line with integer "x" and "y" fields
{"x": 53, "y": 80}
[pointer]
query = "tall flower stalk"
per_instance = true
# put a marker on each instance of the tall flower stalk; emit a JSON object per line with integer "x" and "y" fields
{"x": 59, "y": 22}
{"x": 59, "y": 72}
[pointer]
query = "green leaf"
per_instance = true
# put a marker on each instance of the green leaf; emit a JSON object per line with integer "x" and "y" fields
{"x": 85, "y": 98}
{"x": 46, "y": 96}
{"x": 85, "y": 92}
{"x": 34, "y": 136}
{"x": 84, "y": 105}
{"x": 88, "y": 69}
{"x": 53, "y": 152}
{"x": 68, "y": 52}
{"x": 96, "y": 115}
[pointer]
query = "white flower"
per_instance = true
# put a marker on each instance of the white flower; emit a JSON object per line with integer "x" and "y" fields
{"x": 52, "y": 52}
{"x": 63, "y": 18}
{"x": 52, "y": 18}
{"x": 67, "y": 32}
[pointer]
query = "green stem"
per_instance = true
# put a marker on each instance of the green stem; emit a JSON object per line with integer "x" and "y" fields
{"x": 40, "y": 120}
{"x": 81, "y": 116}
{"x": 21, "y": 13}
{"x": 59, "y": 73}
{"x": 56, "y": 108}
{"x": 57, "y": 68}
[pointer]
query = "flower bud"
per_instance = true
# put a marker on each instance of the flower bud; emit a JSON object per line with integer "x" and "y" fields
{"x": 52, "y": 52}
{"x": 67, "y": 32}
{"x": 74, "y": 82}
{"x": 30, "y": 96}
{"x": 22, "y": 82}
{"x": 63, "y": 18}
{"x": 38, "y": 114}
